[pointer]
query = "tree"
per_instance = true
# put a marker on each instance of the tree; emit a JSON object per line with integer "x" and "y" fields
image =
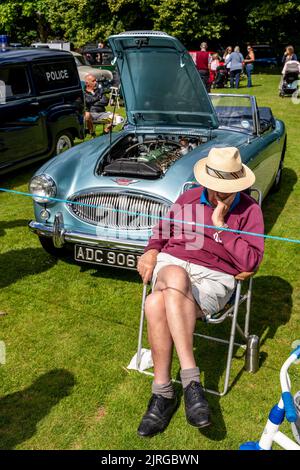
{"x": 190, "y": 20}
{"x": 277, "y": 21}
{"x": 218, "y": 21}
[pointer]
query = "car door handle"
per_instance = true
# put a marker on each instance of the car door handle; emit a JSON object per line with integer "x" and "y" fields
{"x": 34, "y": 103}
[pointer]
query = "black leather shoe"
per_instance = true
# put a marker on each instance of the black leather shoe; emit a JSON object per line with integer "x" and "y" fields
{"x": 157, "y": 416}
{"x": 196, "y": 406}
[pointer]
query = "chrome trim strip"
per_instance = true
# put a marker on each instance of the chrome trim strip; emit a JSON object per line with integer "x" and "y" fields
{"x": 79, "y": 237}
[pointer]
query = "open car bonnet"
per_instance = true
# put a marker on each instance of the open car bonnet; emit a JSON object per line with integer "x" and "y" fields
{"x": 160, "y": 83}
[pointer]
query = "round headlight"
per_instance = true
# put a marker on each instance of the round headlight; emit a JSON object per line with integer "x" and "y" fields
{"x": 43, "y": 187}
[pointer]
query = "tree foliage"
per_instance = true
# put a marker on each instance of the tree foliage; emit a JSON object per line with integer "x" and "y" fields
{"x": 83, "y": 21}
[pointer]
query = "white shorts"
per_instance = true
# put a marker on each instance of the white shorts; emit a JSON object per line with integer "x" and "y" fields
{"x": 105, "y": 115}
{"x": 211, "y": 289}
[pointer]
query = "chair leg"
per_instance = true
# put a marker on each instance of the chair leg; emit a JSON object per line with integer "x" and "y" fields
{"x": 248, "y": 307}
{"x": 232, "y": 337}
{"x": 139, "y": 349}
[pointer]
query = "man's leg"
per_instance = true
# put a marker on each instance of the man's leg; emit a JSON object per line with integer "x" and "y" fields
{"x": 237, "y": 78}
{"x": 248, "y": 72}
{"x": 159, "y": 336}
{"x": 205, "y": 78}
{"x": 89, "y": 122}
{"x": 181, "y": 313}
{"x": 163, "y": 401}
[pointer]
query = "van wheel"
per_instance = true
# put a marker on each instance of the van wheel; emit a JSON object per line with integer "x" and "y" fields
{"x": 277, "y": 183}
{"x": 48, "y": 246}
{"x": 64, "y": 141}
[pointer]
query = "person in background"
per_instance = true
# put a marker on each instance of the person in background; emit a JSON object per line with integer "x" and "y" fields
{"x": 213, "y": 68}
{"x": 101, "y": 45}
{"x": 203, "y": 64}
{"x": 89, "y": 58}
{"x": 289, "y": 54}
{"x": 95, "y": 101}
{"x": 226, "y": 55}
{"x": 236, "y": 61}
{"x": 98, "y": 58}
{"x": 249, "y": 61}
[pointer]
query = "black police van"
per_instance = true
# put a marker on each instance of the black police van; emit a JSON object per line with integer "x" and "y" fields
{"x": 41, "y": 105}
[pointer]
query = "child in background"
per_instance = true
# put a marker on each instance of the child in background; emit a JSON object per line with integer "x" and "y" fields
{"x": 213, "y": 67}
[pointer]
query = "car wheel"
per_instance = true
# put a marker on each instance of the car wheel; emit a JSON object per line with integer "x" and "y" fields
{"x": 64, "y": 141}
{"x": 277, "y": 183}
{"x": 48, "y": 246}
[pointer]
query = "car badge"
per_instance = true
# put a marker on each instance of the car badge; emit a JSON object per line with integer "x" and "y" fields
{"x": 124, "y": 181}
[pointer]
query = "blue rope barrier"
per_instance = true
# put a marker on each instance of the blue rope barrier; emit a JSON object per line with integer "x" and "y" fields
{"x": 123, "y": 211}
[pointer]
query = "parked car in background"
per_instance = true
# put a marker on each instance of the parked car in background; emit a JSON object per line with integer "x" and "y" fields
{"x": 102, "y": 59}
{"x": 15, "y": 44}
{"x": 60, "y": 45}
{"x": 84, "y": 68}
{"x": 112, "y": 190}
{"x": 41, "y": 105}
{"x": 265, "y": 55}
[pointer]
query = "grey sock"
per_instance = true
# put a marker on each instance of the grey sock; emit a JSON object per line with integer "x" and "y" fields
{"x": 189, "y": 375}
{"x": 166, "y": 390}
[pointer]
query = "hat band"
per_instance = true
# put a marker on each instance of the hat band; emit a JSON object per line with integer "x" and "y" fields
{"x": 225, "y": 175}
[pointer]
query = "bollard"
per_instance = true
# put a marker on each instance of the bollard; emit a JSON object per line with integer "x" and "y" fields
{"x": 252, "y": 354}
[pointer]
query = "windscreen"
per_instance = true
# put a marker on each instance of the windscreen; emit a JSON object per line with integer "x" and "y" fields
{"x": 234, "y": 111}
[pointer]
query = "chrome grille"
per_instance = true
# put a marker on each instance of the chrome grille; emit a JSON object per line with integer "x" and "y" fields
{"x": 118, "y": 210}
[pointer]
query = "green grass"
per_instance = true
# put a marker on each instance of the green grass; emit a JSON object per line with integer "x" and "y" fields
{"x": 71, "y": 330}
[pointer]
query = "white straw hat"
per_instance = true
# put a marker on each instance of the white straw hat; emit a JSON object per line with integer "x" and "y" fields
{"x": 222, "y": 170}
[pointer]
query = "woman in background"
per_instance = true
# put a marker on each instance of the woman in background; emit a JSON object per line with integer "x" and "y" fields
{"x": 249, "y": 61}
{"x": 289, "y": 54}
{"x": 236, "y": 66}
{"x": 226, "y": 55}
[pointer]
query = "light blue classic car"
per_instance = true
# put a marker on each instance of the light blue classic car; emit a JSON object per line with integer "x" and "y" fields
{"x": 103, "y": 197}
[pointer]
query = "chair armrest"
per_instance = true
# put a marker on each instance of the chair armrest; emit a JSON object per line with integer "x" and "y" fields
{"x": 244, "y": 276}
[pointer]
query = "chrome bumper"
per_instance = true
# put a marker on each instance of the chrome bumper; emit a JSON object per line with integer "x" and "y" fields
{"x": 60, "y": 236}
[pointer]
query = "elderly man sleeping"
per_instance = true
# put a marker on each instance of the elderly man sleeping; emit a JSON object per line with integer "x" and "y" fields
{"x": 193, "y": 274}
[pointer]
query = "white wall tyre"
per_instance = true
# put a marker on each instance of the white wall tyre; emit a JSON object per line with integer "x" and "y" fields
{"x": 64, "y": 141}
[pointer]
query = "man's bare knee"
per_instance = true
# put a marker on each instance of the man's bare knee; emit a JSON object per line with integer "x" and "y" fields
{"x": 175, "y": 279}
{"x": 155, "y": 306}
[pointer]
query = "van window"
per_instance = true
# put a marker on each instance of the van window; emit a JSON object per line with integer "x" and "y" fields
{"x": 53, "y": 76}
{"x": 15, "y": 80}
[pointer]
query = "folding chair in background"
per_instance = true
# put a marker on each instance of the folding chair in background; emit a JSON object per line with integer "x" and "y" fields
{"x": 230, "y": 312}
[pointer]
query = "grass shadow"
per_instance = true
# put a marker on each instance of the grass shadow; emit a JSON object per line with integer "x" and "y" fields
{"x": 274, "y": 203}
{"x": 12, "y": 224}
{"x": 18, "y": 264}
{"x": 105, "y": 272}
{"x": 20, "y": 412}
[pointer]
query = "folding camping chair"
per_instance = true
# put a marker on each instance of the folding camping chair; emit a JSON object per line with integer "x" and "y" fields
{"x": 114, "y": 96}
{"x": 230, "y": 312}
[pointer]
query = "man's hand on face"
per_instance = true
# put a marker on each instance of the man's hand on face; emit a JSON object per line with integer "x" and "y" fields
{"x": 221, "y": 209}
{"x": 146, "y": 264}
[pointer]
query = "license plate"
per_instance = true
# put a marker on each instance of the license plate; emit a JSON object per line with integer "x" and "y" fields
{"x": 104, "y": 256}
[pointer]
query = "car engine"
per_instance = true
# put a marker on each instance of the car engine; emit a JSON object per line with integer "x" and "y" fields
{"x": 146, "y": 156}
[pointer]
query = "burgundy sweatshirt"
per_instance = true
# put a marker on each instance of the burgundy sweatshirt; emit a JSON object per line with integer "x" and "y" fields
{"x": 227, "y": 252}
